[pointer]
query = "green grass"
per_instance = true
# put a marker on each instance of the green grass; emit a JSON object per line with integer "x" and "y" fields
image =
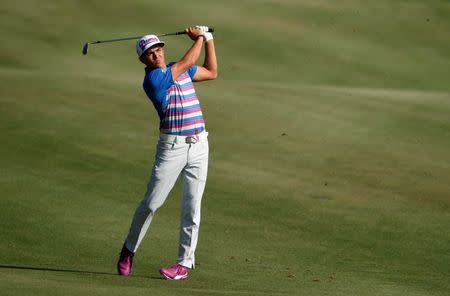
{"x": 329, "y": 132}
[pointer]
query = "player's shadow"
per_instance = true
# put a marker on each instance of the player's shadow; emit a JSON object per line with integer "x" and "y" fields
{"x": 69, "y": 271}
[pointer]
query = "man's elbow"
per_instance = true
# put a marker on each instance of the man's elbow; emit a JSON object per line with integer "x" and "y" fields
{"x": 214, "y": 75}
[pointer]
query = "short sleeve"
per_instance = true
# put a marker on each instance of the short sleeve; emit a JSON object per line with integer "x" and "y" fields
{"x": 192, "y": 70}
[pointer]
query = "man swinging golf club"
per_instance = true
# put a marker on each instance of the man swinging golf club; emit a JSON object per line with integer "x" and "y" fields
{"x": 182, "y": 147}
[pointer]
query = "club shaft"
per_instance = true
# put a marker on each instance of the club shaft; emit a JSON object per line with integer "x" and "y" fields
{"x": 137, "y": 37}
{"x": 114, "y": 40}
{"x": 86, "y": 45}
{"x": 133, "y": 38}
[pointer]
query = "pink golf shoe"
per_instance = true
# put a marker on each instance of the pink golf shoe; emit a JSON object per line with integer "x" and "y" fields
{"x": 125, "y": 261}
{"x": 175, "y": 272}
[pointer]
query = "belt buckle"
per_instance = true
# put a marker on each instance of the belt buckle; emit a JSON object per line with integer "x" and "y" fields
{"x": 191, "y": 139}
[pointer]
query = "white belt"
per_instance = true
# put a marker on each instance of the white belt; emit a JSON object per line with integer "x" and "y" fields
{"x": 183, "y": 139}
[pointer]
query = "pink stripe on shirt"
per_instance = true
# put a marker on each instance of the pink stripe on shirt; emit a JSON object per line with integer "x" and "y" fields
{"x": 181, "y": 125}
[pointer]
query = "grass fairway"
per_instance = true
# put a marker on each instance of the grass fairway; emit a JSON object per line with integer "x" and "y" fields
{"x": 330, "y": 148}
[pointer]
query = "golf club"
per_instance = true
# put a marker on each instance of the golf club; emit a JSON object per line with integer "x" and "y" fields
{"x": 86, "y": 45}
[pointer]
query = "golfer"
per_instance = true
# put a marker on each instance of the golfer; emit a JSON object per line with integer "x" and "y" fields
{"x": 182, "y": 147}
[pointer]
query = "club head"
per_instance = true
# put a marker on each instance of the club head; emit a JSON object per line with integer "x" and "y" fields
{"x": 85, "y": 49}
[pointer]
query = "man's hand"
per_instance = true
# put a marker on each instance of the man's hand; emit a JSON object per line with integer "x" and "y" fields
{"x": 208, "y": 36}
{"x": 194, "y": 32}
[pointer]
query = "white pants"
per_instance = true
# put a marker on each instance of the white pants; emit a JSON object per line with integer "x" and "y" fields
{"x": 175, "y": 156}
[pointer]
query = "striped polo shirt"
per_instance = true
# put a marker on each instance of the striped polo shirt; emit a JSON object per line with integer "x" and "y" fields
{"x": 175, "y": 101}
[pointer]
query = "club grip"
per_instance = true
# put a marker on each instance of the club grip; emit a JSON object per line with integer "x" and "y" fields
{"x": 210, "y": 30}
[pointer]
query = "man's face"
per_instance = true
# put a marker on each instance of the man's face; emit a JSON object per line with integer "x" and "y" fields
{"x": 154, "y": 57}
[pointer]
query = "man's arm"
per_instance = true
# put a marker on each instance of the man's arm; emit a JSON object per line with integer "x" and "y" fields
{"x": 209, "y": 69}
{"x": 192, "y": 55}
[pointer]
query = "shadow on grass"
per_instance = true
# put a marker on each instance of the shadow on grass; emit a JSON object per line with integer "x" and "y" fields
{"x": 70, "y": 271}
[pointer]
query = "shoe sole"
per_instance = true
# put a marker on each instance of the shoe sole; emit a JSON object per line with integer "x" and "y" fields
{"x": 176, "y": 278}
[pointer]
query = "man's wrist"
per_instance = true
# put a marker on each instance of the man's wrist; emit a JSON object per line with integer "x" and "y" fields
{"x": 208, "y": 36}
{"x": 201, "y": 36}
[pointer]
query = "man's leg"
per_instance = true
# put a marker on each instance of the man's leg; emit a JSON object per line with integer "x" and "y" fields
{"x": 169, "y": 161}
{"x": 194, "y": 181}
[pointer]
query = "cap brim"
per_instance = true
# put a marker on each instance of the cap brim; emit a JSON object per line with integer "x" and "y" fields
{"x": 160, "y": 44}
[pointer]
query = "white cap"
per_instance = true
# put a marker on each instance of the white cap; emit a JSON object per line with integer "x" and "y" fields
{"x": 145, "y": 42}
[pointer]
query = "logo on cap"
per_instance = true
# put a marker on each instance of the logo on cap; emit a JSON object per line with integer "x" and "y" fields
{"x": 144, "y": 42}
